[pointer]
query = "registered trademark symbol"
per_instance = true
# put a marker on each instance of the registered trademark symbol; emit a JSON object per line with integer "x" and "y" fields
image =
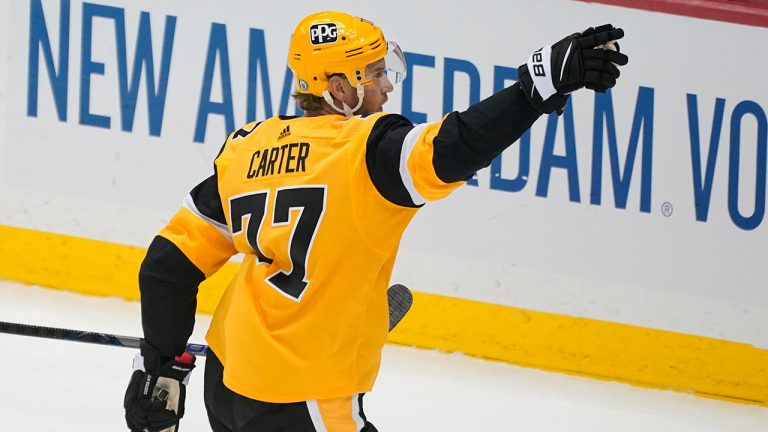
{"x": 667, "y": 209}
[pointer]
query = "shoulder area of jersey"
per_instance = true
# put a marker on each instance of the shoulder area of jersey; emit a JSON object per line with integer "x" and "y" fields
{"x": 369, "y": 117}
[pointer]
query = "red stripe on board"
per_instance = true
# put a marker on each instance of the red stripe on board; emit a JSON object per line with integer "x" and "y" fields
{"x": 749, "y": 12}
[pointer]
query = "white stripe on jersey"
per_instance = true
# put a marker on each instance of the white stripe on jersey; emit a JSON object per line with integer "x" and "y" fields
{"x": 359, "y": 422}
{"x": 314, "y": 414}
{"x": 408, "y": 144}
{"x": 189, "y": 204}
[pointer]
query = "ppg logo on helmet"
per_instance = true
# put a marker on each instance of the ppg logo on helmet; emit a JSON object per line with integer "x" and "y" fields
{"x": 324, "y": 33}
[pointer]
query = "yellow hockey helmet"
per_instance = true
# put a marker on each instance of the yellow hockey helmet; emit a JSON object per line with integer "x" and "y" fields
{"x": 326, "y": 43}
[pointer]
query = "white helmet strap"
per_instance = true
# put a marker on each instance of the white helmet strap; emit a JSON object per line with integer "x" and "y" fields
{"x": 345, "y": 109}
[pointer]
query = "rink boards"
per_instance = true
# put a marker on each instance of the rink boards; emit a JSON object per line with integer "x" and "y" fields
{"x": 624, "y": 239}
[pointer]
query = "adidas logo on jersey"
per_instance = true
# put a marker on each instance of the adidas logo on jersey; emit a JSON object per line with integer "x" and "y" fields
{"x": 286, "y": 132}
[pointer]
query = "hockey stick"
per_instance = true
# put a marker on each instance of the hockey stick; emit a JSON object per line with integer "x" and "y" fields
{"x": 399, "y": 297}
{"x": 400, "y": 300}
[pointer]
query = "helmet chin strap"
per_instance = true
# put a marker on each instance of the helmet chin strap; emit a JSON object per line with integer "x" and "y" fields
{"x": 345, "y": 109}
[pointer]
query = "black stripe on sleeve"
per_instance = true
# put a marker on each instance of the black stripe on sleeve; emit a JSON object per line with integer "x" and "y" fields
{"x": 206, "y": 194}
{"x": 470, "y": 140}
{"x": 207, "y": 200}
{"x": 168, "y": 281}
{"x": 382, "y": 156}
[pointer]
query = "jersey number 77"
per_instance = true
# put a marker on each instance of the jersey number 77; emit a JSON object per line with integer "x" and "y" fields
{"x": 310, "y": 201}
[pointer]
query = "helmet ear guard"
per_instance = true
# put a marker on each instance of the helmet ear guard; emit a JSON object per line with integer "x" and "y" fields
{"x": 345, "y": 109}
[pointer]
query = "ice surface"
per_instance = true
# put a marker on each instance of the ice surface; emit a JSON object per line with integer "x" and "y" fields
{"x": 67, "y": 386}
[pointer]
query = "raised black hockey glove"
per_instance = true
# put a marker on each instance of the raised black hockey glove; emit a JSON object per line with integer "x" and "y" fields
{"x": 588, "y": 59}
{"x": 154, "y": 400}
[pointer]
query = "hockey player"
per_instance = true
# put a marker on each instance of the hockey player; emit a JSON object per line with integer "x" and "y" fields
{"x": 317, "y": 204}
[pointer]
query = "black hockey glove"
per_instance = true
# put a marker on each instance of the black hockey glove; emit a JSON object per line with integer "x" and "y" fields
{"x": 588, "y": 59}
{"x": 154, "y": 400}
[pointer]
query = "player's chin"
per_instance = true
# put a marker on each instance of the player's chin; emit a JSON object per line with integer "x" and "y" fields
{"x": 371, "y": 111}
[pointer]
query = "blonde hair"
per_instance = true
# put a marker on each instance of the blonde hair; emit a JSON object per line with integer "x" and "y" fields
{"x": 308, "y": 102}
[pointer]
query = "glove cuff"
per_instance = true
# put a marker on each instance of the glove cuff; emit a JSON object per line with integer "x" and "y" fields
{"x": 555, "y": 102}
{"x": 540, "y": 63}
{"x": 178, "y": 368}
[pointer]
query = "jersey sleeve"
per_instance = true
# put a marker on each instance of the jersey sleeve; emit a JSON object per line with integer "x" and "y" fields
{"x": 193, "y": 246}
{"x": 412, "y": 164}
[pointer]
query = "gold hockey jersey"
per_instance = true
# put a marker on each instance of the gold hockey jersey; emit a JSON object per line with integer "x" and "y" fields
{"x": 318, "y": 206}
{"x": 306, "y": 317}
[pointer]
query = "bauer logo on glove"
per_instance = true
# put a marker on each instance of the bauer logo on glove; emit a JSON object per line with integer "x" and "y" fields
{"x": 538, "y": 66}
